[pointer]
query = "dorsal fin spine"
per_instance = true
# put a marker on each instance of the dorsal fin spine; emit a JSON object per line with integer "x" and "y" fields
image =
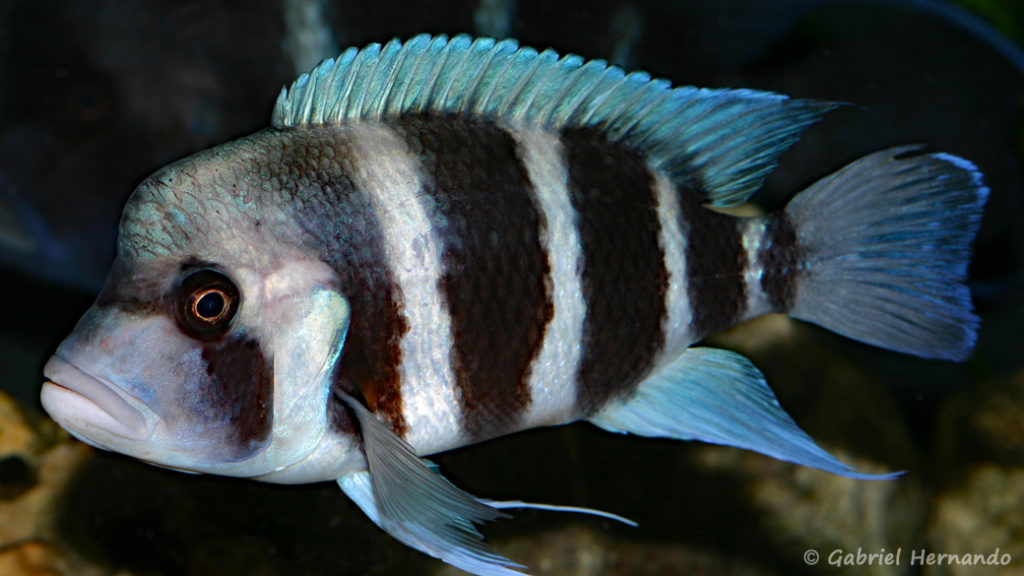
{"x": 477, "y": 79}
{"x": 357, "y": 93}
{"x": 383, "y": 71}
{"x": 453, "y": 74}
{"x": 523, "y": 92}
{"x": 507, "y": 108}
{"x": 323, "y": 79}
{"x": 508, "y": 49}
{"x": 429, "y": 91}
{"x": 339, "y": 86}
{"x": 303, "y": 82}
{"x": 597, "y": 100}
{"x": 419, "y": 69}
{"x": 481, "y": 81}
{"x": 643, "y": 84}
{"x": 412, "y": 84}
{"x": 394, "y": 78}
{"x": 316, "y": 112}
{"x": 545, "y": 116}
{"x": 307, "y": 102}
{"x": 332, "y": 88}
{"x": 577, "y": 94}
{"x": 628, "y": 123}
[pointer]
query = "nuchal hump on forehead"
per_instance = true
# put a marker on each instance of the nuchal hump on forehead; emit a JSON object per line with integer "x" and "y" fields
{"x": 446, "y": 240}
{"x": 233, "y": 198}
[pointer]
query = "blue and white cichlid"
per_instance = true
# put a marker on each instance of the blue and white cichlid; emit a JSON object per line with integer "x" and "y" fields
{"x": 443, "y": 241}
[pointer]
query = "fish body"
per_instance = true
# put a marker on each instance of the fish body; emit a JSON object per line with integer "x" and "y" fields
{"x": 449, "y": 240}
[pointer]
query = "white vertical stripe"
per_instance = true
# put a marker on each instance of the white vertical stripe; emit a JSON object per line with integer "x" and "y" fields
{"x": 753, "y": 231}
{"x": 672, "y": 238}
{"x": 553, "y": 373}
{"x": 387, "y": 171}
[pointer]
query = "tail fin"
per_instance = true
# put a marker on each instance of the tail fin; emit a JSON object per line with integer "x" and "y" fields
{"x": 885, "y": 246}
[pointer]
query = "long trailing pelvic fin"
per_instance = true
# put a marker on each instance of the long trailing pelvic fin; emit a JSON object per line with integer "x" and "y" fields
{"x": 409, "y": 500}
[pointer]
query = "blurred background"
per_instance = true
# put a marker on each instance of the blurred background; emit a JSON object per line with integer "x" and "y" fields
{"x": 95, "y": 95}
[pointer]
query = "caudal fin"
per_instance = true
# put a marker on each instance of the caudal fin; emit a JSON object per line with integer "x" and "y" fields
{"x": 885, "y": 243}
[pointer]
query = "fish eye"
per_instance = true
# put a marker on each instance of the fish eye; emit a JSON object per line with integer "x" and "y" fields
{"x": 205, "y": 303}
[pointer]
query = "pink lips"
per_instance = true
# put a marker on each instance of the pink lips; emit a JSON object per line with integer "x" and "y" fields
{"x": 88, "y": 407}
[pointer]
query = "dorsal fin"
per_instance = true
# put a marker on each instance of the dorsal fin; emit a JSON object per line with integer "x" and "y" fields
{"x": 729, "y": 140}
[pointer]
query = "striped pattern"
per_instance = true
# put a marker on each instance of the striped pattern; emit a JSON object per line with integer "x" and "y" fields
{"x": 674, "y": 242}
{"x": 387, "y": 172}
{"x": 525, "y": 277}
{"x": 779, "y": 256}
{"x": 624, "y": 276}
{"x": 238, "y": 388}
{"x": 494, "y": 270}
{"x": 318, "y": 167}
{"x": 553, "y": 377}
{"x": 715, "y": 266}
{"x": 773, "y": 261}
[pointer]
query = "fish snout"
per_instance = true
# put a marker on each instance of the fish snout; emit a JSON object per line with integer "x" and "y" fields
{"x": 93, "y": 410}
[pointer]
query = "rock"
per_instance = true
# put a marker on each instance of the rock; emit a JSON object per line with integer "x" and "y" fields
{"x": 981, "y": 519}
{"x": 37, "y": 463}
{"x": 580, "y": 550}
{"x": 805, "y": 510}
{"x": 984, "y": 422}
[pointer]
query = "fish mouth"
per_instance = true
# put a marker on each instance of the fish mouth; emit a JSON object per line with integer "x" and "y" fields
{"x": 92, "y": 409}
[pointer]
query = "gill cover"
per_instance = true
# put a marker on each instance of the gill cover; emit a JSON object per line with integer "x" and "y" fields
{"x": 305, "y": 327}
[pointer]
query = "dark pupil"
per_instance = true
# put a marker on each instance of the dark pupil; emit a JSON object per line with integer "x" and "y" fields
{"x": 210, "y": 305}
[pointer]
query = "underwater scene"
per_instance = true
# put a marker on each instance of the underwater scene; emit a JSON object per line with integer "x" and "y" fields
{"x": 97, "y": 95}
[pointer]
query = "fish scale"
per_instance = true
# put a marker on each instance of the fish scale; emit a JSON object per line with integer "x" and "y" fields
{"x": 715, "y": 262}
{"x": 494, "y": 267}
{"x": 612, "y": 192}
{"x": 445, "y": 240}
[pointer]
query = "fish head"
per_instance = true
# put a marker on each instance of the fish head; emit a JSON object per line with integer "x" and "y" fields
{"x": 212, "y": 346}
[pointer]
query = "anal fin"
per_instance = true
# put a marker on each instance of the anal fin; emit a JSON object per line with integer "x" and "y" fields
{"x": 719, "y": 397}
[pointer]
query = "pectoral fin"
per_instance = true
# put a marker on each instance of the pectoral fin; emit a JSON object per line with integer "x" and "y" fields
{"x": 413, "y": 503}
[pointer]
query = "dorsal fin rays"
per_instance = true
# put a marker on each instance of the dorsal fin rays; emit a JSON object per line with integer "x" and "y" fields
{"x": 332, "y": 93}
{"x": 496, "y": 84}
{"x": 422, "y": 74}
{"x": 727, "y": 141}
{"x": 323, "y": 80}
{"x": 453, "y": 75}
{"x": 430, "y": 91}
{"x": 524, "y": 94}
{"x": 390, "y": 78}
{"x": 480, "y": 81}
{"x": 372, "y": 88}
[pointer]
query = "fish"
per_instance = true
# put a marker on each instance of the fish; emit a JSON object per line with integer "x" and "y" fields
{"x": 445, "y": 240}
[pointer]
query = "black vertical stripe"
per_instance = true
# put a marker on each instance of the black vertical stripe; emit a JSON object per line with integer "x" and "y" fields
{"x": 495, "y": 273}
{"x": 624, "y": 276}
{"x": 239, "y": 388}
{"x": 312, "y": 167}
{"x": 715, "y": 264}
{"x": 780, "y": 257}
